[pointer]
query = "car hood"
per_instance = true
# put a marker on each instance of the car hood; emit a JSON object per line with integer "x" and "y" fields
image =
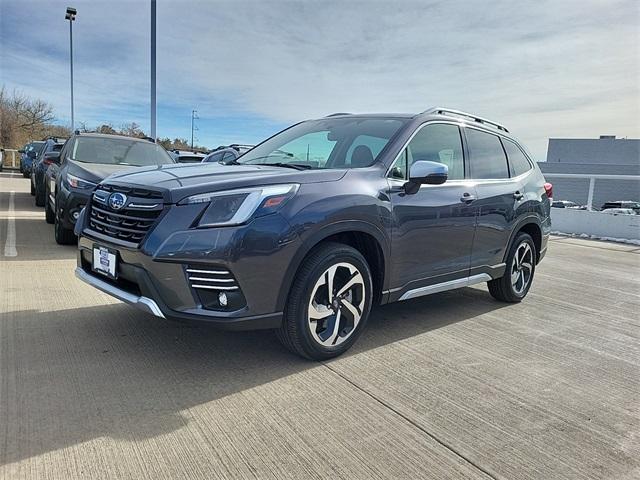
{"x": 96, "y": 172}
{"x": 179, "y": 181}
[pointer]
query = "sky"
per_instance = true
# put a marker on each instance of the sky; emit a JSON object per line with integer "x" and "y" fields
{"x": 543, "y": 68}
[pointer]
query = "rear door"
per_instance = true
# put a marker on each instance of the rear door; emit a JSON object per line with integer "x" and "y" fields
{"x": 498, "y": 198}
{"x": 433, "y": 229}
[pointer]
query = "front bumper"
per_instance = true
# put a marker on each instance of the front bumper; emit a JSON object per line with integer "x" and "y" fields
{"x": 153, "y": 276}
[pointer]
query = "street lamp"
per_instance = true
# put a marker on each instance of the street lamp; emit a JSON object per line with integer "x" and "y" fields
{"x": 153, "y": 70}
{"x": 71, "y": 16}
{"x": 194, "y": 116}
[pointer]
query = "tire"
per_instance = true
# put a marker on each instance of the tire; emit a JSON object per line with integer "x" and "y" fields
{"x": 39, "y": 196}
{"x": 514, "y": 285}
{"x": 49, "y": 214}
{"x": 317, "y": 339}
{"x": 63, "y": 236}
{"x": 33, "y": 190}
{"x": 26, "y": 174}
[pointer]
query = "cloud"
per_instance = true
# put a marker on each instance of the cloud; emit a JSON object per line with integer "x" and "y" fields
{"x": 543, "y": 68}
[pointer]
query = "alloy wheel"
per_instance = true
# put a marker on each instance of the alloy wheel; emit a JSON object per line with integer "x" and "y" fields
{"x": 336, "y": 304}
{"x": 521, "y": 268}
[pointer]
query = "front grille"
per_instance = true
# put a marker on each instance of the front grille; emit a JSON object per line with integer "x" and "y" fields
{"x": 130, "y": 223}
{"x": 211, "y": 278}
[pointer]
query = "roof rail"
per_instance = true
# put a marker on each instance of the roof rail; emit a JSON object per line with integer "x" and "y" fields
{"x": 337, "y": 114}
{"x": 475, "y": 118}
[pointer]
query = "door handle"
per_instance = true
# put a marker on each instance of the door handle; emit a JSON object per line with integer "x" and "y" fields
{"x": 467, "y": 197}
{"x": 517, "y": 195}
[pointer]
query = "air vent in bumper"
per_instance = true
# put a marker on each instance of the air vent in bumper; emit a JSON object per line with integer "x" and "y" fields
{"x": 216, "y": 287}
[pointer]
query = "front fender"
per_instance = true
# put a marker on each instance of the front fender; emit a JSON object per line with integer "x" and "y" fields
{"x": 312, "y": 238}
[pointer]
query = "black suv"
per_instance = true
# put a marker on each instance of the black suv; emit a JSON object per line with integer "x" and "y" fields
{"x": 49, "y": 151}
{"x": 309, "y": 229}
{"x": 85, "y": 160}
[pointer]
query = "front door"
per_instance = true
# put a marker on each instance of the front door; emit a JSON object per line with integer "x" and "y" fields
{"x": 433, "y": 229}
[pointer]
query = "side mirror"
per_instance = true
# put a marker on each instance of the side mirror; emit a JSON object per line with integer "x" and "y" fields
{"x": 425, "y": 172}
{"x": 53, "y": 157}
{"x": 20, "y": 151}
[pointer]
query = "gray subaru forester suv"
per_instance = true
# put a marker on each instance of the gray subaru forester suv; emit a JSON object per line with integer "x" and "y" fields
{"x": 308, "y": 230}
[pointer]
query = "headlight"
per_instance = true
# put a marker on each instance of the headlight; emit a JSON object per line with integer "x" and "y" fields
{"x": 234, "y": 207}
{"x": 77, "y": 182}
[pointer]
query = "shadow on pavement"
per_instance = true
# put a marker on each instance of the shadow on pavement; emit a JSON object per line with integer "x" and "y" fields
{"x": 74, "y": 375}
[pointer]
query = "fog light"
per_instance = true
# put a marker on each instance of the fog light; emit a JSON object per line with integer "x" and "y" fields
{"x": 75, "y": 215}
{"x": 222, "y": 298}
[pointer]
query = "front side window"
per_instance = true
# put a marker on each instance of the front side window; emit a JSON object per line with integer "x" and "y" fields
{"x": 118, "y": 151}
{"x": 518, "y": 163}
{"x": 327, "y": 143}
{"x": 214, "y": 157}
{"x": 228, "y": 157}
{"x": 487, "y": 158}
{"x": 437, "y": 142}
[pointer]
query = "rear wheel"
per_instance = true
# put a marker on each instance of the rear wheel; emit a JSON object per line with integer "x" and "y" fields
{"x": 26, "y": 174}
{"x": 521, "y": 265}
{"x": 63, "y": 235}
{"x": 33, "y": 190}
{"x": 329, "y": 303}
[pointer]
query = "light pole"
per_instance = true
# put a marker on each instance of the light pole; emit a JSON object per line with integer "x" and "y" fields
{"x": 193, "y": 117}
{"x": 71, "y": 16}
{"x": 153, "y": 70}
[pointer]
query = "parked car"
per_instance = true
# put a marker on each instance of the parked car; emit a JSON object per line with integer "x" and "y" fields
{"x": 564, "y": 204}
{"x": 85, "y": 161}
{"x": 185, "y": 156}
{"x": 227, "y": 154}
{"x": 27, "y": 156}
{"x": 622, "y": 204}
{"x": 43, "y": 159}
{"x": 619, "y": 211}
{"x": 314, "y": 226}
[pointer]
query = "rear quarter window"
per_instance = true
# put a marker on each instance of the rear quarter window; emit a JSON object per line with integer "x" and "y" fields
{"x": 518, "y": 162}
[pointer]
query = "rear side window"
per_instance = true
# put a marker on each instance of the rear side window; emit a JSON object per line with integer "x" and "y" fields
{"x": 518, "y": 163}
{"x": 487, "y": 155}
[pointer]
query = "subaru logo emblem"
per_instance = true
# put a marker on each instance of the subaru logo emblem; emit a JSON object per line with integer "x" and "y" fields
{"x": 117, "y": 200}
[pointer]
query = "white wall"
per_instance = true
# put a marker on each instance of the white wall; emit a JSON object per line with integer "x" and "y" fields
{"x": 569, "y": 220}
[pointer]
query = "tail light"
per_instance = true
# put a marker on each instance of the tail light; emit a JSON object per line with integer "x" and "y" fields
{"x": 548, "y": 189}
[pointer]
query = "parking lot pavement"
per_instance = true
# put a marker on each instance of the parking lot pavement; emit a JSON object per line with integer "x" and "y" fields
{"x": 455, "y": 385}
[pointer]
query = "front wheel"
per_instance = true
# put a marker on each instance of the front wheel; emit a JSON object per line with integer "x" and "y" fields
{"x": 63, "y": 236}
{"x": 49, "y": 214}
{"x": 521, "y": 265}
{"x": 329, "y": 303}
{"x": 40, "y": 194}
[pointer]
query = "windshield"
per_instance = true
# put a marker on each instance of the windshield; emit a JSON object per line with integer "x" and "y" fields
{"x": 118, "y": 151}
{"x": 327, "y": 143}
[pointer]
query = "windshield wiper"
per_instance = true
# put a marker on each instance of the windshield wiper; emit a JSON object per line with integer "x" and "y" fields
{"x": 296, "y": 166}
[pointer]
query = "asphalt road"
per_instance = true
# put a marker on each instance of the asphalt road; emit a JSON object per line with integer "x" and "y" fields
{"x": 455, "y": 385}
